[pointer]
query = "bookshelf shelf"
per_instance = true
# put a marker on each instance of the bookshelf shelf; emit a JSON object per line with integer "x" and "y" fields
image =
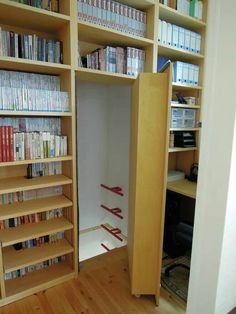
{"x": 18, "y": 209}
{"x": 104, "y": 77}
{"x": 97, "y": 34}
{"x": 173, "y": 16}
{"x": 13, "y": 259}
{"x": 183, "y": 187}
{"x": 181, "y": 149}
{"x": 36, "y": 281}
{"x": 184, "y": 129}
{"x": 35, "y": 113}
{"x": 17, "y": 64}
{"x": 182, "y": 87}
{"x": 139, "y": 4}
{"x": 185, "y": 106}
{"x": 22, "y": 184}
{"x": 29, "y": 231}
{"x": 35, "y": 161}
{"x": 177, "y": 53}
{"x": 26, "y": 16}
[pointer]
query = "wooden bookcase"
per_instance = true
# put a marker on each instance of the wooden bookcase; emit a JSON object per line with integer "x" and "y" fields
{"x": 26, "y": 19}
{"x": 66, "y": 27}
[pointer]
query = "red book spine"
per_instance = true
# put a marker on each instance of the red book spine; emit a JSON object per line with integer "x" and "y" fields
{"x": 0, "y": 144}
{"x": 4, "y": 154}
{"x": 7, "y": 144}
{"x": 11, "y": 142}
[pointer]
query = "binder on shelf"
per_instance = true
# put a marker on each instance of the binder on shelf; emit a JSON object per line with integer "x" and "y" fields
{"x": 164, "y": 32}
{"x": 187, "y": 35}
{"x": 178, "y": 72}
{"x": 169, "y": 34}
{"x": 159, "y": 30}
{"x": 193, "y": 41}
{"x": 175, "y": 36}
{"x": 181, "y": 37}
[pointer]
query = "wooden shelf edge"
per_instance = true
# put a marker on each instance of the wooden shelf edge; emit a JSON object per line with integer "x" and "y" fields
{"x": 14, "y": 260}
{"x": 164, "y": 9}
{"x": 91, "y": 75}
{"x": 44, "y": 278}
{"x": 31, "y": 9}
{"x": 141, "y": 41}
{"x": 183, "y": 187}
{"x": 179, "y": 149}
{"x": 18, "y": 184}
{"x": 185, "y": 129}
{"x": 29, "y": 207}
{"x": 30, "y": 231}
{"x": 185, "y": 106}
{"x": 185, "y": 87}
{"x": 178, "y": 52}
{"x": 15, "y": 64}
{"x": 35, "y": 113}
{"x": 35, "y": 161}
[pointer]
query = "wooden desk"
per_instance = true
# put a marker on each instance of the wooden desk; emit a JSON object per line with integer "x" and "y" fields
{"x": 183, "y": 187}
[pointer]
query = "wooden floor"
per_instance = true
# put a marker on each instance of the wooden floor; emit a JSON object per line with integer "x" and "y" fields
{"x": 101, "y": 288}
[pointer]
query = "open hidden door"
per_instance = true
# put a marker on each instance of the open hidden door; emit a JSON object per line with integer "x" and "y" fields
{"x": 147, "y": 179}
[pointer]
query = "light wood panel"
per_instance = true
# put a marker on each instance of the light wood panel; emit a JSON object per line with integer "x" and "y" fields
{"x": 17, "y": 64}
{"x": 24, "y": 184}
{"x": 29, "y": 231}
{"x": 173, "y": 16}
{"x": 177, "y": 53}
{"x": 29, "y": 17}
{"x": 36, "y": 281}
{"x": 147, "y": 172}
{"x": 40, "y": 205}
{"x": 101, "y": 287}
{"x": 182, "y": 87}
{"x": 35, "y": 113}
{"x": 185, "y": 106}
{"x": 35, "y": 161}
{"x": 101, "y": 35}
{"x": 183, "y": 187}
{"x": 14, "y": 260}
{"x": 98, "y": 76}
{"x": 181, "y": 149}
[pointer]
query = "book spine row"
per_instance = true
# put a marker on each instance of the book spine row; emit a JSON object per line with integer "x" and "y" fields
{"x": 50, "y": 5}
{"x": 113, "y": 14}
{"x": 24, "y": 125}
{"x": 29, "y": 80}
{"x": 128, "y": 60}
{"x": 46, "y": 169}
{"x": 30, "y": 47}
{"x": 22, "y": 196}
{"x": 33, "y": 218}
{"x": 30, "y": 146}
{"x": 192, "y": 8}
{"x": 23, "y": 271}
{"x": 23, "y": 99}
{"x": 178, "y": 37}
{"x": 185, "y": 73}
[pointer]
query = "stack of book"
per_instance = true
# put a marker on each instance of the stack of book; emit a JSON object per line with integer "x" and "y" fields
{"x": 21, "y": 91}
{"x": 178, "y": 37}
{"x": 116, "y": 60}
{"x": 30, "y": 47}
{"x": 113, "y": 14}
{"x": 45, "y": 169}
{"x": 50, "y": 5}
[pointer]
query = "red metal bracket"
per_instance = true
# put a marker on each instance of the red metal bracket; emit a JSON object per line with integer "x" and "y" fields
{"x": 115, "y": 232}
{"x": 105, "y": 247}
{"x": 115, "y": 211}
{"x": 115, "y": 189}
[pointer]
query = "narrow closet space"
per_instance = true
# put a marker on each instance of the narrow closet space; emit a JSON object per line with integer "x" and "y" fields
{"x": 103, "y": 135}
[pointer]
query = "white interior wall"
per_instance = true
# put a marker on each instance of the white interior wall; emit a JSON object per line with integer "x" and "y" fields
{"x": 103, "y": 122}
{"x": 212, "y": 288}
{"x": 92, "y": 117}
